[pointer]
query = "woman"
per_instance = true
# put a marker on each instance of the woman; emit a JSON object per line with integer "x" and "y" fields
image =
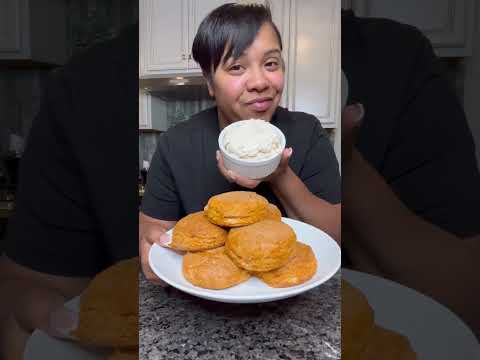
{"x": 240, "y": 52}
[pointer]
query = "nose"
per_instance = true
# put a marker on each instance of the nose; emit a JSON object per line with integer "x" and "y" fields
{"x": 257, "y": 80}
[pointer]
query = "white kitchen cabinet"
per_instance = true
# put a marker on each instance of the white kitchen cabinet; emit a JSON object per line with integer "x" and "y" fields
{"x": 281, "y": 17}
{"x": 314, "y": 70}
{"x": 152, "y": 112}
{"x": 168, "y": 28}
{"x": 163, "y": 36}
{"x": 447, "y": 23}
{"x": 198, "y": 11}
{"x": 33, "y": 32}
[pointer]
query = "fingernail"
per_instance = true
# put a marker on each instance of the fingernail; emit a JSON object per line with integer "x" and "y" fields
{"x": 232, "y": 175}
{"x": 165, "y": 239}
{"x": 289, "y": 152}
{"x": 217, "y": 155}
{"x": 62, "y": 322}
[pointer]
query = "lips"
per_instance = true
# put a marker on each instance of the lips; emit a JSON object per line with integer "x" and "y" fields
{"x": 260, "y": 104}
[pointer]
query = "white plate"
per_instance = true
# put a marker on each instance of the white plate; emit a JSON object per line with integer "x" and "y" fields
{"x": 42, "y": 346}
{"x": 167, "y": 265}
{"x": 433, "y": 330}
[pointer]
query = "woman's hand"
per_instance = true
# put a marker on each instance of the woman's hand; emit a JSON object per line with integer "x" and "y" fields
{"x": 253, "y": 183}
{"x": 152, "y": 231}
{"x": 33, "y": 300}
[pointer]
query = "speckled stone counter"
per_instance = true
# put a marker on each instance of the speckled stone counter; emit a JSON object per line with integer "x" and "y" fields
{"x": 175, "y": 325}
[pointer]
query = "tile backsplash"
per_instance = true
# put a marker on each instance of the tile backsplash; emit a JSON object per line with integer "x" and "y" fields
{"x": 181, "y": 110}
{"x": 178, "y": 110}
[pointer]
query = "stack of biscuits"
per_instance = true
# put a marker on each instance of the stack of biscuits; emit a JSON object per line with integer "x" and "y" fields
{"x": 240, "y": 234}
{"x": 362, "y": 339}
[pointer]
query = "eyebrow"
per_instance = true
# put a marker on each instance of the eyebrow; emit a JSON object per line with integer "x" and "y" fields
{"x": 273, "y": 51}
{"x": 268, "y": 53}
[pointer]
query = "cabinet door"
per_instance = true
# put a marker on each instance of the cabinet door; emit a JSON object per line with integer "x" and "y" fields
{"x": 163, "y": 36}
{"x": 199, "y": 9}
{"x": 280, "y": 16}
{"x": 13, "y": 29}
{"x": 314, "y": 72}
{"x": 447, "y": 23}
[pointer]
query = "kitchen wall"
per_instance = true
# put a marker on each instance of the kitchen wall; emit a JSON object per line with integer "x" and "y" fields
{"x": 90, "y": 22}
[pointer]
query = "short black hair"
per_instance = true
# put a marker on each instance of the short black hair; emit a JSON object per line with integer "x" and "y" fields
{"x": 230, "y": 25}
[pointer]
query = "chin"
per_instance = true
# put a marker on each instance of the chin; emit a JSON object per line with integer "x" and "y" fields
{"x": 264, "y": 117}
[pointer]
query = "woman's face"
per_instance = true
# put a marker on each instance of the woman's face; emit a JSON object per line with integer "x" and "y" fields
{"x": 250, "y": 86}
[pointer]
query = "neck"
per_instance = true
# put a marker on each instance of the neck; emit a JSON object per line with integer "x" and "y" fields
{"x": 222, "y": 121}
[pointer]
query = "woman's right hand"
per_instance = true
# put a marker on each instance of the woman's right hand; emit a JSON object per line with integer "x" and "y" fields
{"x": 152, "y": 231}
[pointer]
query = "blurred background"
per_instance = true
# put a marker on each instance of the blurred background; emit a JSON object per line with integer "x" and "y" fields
{"x": 37, "y": 37}
{"x": 452, "y": 27}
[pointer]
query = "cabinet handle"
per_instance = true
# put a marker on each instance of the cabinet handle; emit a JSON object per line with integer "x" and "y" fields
{"x": 189, "y": 56}
{"x": 184, "y": 57}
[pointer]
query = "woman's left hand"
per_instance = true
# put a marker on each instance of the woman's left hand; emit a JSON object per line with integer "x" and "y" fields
{"x": 253, "y": 183}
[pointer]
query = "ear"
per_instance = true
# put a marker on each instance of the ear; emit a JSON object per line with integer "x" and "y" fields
{"x": 211, "y": 92}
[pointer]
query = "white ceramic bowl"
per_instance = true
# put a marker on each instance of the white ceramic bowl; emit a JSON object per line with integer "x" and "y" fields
{"x": 253, "y": 169}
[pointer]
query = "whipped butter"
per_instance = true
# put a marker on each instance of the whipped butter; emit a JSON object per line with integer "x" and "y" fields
{"x": 252, "y": 140}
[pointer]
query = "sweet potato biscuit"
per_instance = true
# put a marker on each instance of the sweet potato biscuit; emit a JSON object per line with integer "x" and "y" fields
{"x": 212, "y": 269}
{"x": 263, "y": 246}
{"x": 387, "y": 344}
{"x": 273, "y": 213}
{"x": 300, "y": 268}
{"x": 109, "y": 308}
{"x": 236, "y": 208}
{"x": 195, "y": 233}
{"x": 357, "y": 321}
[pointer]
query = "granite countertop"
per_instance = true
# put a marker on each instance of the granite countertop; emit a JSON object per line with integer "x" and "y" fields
{"x": 175, "y": 325}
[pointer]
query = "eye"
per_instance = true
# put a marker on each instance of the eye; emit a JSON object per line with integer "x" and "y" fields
{"x": 272, "y": 65}
{"x": 236, "y": 69}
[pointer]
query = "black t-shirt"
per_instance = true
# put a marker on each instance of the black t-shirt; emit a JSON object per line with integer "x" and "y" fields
{"x": 414, "y": 132}
{"x": 77, "y": 204}
{"x": 184, "y": 174}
